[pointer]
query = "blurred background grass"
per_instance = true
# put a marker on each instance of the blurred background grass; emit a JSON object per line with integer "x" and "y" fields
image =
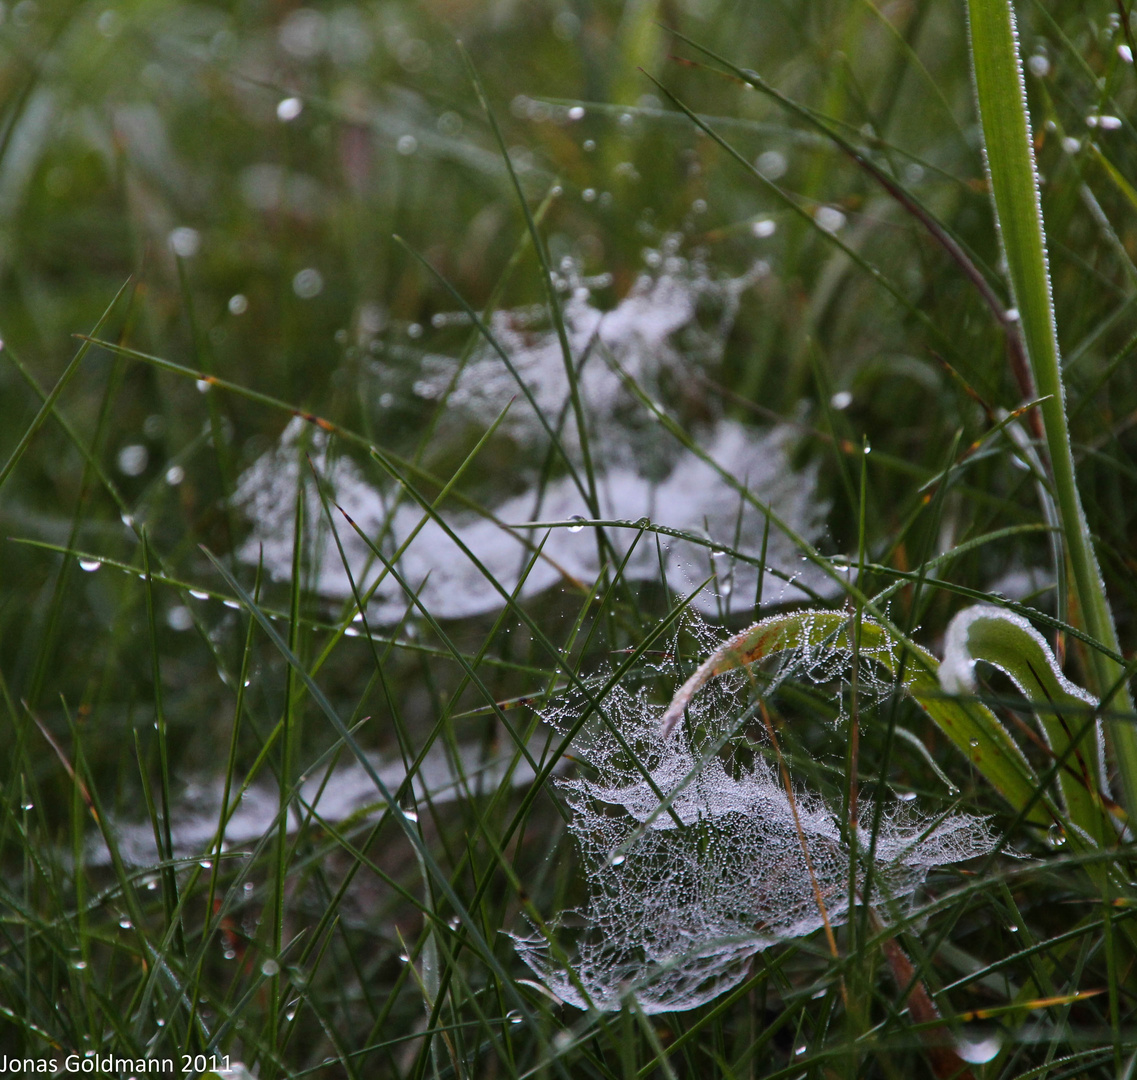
{"x": 246, "y": 167}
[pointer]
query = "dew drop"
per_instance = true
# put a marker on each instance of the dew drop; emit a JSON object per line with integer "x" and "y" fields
{"x": 764, "y": 227}
{"x": 1056, "y": 835}
{"x": 184, "y": 242}
{"x": 588, "y": 194}
{"x": 616, "y": 859}
{"x": 841, "y": 400}
{"x": 410, "y": 815}
{"x": 288, "y": 109}
{"x": 202, "y": 386}
{"x": 513, "y": 1016}
{"x": 829, "y": 218}
{"x": 206, "y": 864}
{"x": 197, "y": 594}
{"x": 125, "y": 924}
{"x": 772, "y": 164}
{"x": 175, "y": 474}
{"x": 89, "y": 565}
{"x": 270, "y": 968}
{"x": 1012, "y": 928}
{"x": 28, "y": 806}
{"x": 308, "y": 283}
{"x": 80, "y": 965}
{"x": 576, "y": 112}
{"x": 133, "y": 459}
{"x": 980, "y": 1051}
{"x": 231, "y": 604}
{"x": 800, "y": 1050}
{"x": 576, "y": 528}
{"x": 906, "y": 796}
{"x": 974, "y": 743}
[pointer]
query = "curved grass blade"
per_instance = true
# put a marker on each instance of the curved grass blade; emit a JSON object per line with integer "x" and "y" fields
{"x": 970, "y": 725}
{"x": 1011, "y": 644}
{"x": 1001, "y": 93}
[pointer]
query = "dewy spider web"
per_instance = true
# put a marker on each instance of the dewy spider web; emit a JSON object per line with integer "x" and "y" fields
{"x": 676, "y": 911}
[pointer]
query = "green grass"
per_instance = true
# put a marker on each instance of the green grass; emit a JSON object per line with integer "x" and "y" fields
{"x": 145, "y": 655}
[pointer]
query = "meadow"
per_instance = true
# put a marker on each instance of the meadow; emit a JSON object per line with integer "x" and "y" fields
{"x": 403, "y": 400}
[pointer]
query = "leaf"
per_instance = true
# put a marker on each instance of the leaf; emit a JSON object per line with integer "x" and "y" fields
{"x": 970, "y": 725}
{"x": 1066, "y": 712}
{"x": 1001, "y": 93}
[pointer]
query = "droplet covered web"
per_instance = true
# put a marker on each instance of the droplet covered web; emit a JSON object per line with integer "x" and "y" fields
{"x": 693, "y": 856}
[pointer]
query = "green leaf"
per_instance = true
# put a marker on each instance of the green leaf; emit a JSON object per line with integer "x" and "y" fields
{"x": 1001, "y": 93}
{"x": 1066, "y": 712}
{"x": 970, "y": 725}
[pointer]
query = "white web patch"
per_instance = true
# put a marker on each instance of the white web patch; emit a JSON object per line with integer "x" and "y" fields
{"x": 685, "y": 891}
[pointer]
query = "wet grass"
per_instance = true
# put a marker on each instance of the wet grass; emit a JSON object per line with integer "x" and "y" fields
{"x": 330, "y": 214}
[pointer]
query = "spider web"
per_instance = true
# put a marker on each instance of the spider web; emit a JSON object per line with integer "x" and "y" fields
{"x": 685, "y": 890}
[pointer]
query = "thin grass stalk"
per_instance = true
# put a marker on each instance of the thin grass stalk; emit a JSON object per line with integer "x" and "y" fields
{"x": 1001, "y": 93}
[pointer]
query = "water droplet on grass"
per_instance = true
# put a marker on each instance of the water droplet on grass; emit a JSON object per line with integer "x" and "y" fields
{"x": 576, "y": 112}
{"x": 308, "y": 283}
{"x": 133, "y": 459}
{"x": 125, "y": 923}
{"x": 576, "y": 528}
{"x": 288, "y": 109}
{"x": 89, "y": 565}
{"x": 1056, "y": 835}
{"x": 175, "y": 474}
{"x": 829, "y": 218}
{"x": 184, "y": 242}
{"x": 270, "y": 968}
{"x": 772, "y": 164}
{"x": 980, "y": 1051}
